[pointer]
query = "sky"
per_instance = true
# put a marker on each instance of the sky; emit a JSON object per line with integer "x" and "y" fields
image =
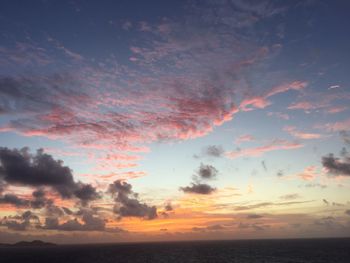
{"x": 128, "y": 121}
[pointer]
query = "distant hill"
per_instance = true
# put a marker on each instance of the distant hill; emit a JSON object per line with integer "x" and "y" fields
{"x": 34, "y": 243}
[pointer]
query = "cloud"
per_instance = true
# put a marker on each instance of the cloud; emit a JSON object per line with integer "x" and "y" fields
{"x": 244, "y": 138}
{"x": 336, "y": 166}
{"x": 19, "y": 222}
{"x": 258, "y": 151}
{"x": 254, "y": 226}
{"x": 38, "y": 200}
{"x": 254, "y": 216}
{"x": 266, "y": 204}
{"x": 290, "y": 196}
{"x": 127, "y": 203}
{"x": 301, "y": 135}
{"x": 309, "y": 173}
{"x": 207, "y": 171}
{"x": 86, "y": 193}
{"x": 13, "y": 200}
{"x": 89, "y": 222}
{"x": 181, "y": 84}
{"x": 168, "y": 207}
{"x": 216, "y": 227}
{"x": 345, "y": 136}
{"x": 20, "y": 167}
{"x": 262, "y": 102}
{"x": 313, "y": 185}
{"x": 198, "y": 188}
{"x": 336, "y": 109}
{"x": 279, "y": 115}
{"x": 214, "y": 151}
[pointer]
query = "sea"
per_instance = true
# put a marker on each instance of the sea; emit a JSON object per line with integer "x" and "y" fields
{"x": 240, "y": 251}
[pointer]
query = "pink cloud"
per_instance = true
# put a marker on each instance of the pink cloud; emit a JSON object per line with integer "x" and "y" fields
{"x": 182, "y": 85}
{"x": 336, "y": 109}
{"x": 309, "y": 173}
{"x": 301, "y": 135}
{"x": 262, "y": 102}
{"x": 295, "y": 85}
{"x": 337, "y": 126}
{"x": 244, "y": 138}
{"x": 258, "y": 151}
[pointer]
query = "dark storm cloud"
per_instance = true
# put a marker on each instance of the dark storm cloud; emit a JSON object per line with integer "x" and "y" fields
{"x": 13, "y": 200}
{"x": 14, "y": 225}
{"x": 53, "y": 210}
{"x": 20, "y": 167}
{"x": 337, "y": 166}
{"x": 207, "y": 171}
{"x": 38, "y": 200}
{"x": 90, "y": 222}
{"x": 127, "y": 203}
{"x": 199, "y": 188}
{"x": 86, "y": 193}
{"x": 214, "y": 151}
{"x": 19, "y": 222}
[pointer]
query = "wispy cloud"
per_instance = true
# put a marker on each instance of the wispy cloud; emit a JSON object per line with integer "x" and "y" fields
{"x": 292, "y": 130}
{"x": 258, "y": 151}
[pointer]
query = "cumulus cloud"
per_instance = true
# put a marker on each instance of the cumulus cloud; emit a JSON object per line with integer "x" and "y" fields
{"x": 337, "y": 166}
{"x": 20, "y": 167}
{"x": 205, "y": 172}
{"x": 19, "y": 222}
{"x": 89, "y": 222}
{"x": 13, "y": 200}
{"x": 127, "y": 203}
{"x": 37, "y": 201}
{"x": 198, "y": 188}
{"x": 214, "y": 151}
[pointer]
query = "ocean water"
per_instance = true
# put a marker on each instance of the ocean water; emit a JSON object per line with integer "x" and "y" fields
{"x": 242, "y": 251}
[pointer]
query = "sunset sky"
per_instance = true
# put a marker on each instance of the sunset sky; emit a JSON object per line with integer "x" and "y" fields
{"x": 174, "y": 120}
